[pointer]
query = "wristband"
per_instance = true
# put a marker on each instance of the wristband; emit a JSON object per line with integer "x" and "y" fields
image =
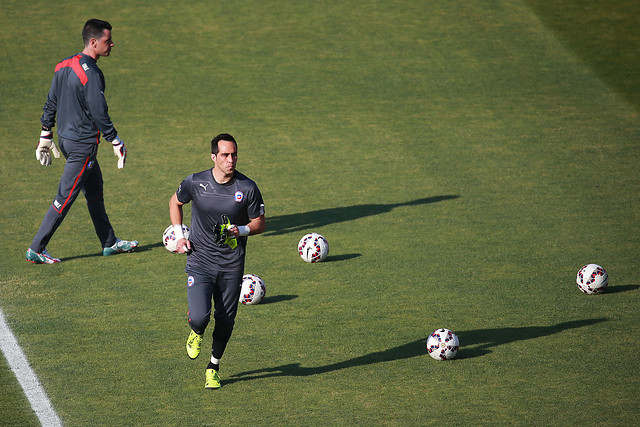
{"x": 243, "y": 230}
{"x": 177, "y": 231}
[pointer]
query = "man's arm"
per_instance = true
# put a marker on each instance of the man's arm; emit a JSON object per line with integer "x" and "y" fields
{"x": 48, "y": 120}
{"x": 255, "y": 226}
{"x": 97, "y": 105}
{"x": 50, "y": 108}
{"x": 175, "y": 213}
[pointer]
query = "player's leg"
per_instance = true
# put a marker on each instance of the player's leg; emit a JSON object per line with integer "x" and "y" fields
{"x": 226, "y": 294}
{"x": 199, "y": 293}
{"x": 79, "y": 157}
{"x": 93, "y": 192}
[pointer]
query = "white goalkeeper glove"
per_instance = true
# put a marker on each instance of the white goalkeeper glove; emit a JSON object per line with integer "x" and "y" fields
{"x": 120, "y": 151}
{"x": 46, "y": 146}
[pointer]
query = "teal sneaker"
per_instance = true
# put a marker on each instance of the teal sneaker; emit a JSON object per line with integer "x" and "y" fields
{"x": 121, "y": 246}
{"x": 212, "y": 379}
{"x": 41, "y": 258}
{"x": 194, "y": 344}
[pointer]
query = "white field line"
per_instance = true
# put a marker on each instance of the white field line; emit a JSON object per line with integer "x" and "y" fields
{"x": 26, "y": 377}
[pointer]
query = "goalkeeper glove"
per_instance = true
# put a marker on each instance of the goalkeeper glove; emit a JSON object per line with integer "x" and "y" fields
{"x": 46, "y": 146}
{"x": 120, "y": 151}
{"x": 220, "y": 233}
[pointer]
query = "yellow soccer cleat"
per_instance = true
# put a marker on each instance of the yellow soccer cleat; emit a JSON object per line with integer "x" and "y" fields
{"x": 194, "y": 344}
{"x": 212, "y": 379}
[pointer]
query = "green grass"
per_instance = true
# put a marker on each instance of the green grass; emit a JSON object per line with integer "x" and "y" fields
{"x": 463, "y": 160}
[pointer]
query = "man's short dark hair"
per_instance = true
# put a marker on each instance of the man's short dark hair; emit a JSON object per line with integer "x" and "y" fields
{"x": 221, "y": 137}
{"x": 93, "y": 29}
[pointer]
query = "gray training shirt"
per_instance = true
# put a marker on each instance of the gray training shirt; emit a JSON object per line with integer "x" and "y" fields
{"x": 239, "y": 199}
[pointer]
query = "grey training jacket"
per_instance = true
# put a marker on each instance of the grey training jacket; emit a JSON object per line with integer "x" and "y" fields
{"x": 77, "y": 97}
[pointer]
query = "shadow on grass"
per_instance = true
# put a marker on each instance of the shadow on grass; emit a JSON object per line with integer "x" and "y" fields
{"x": 344, "y": 257}
{"x": 97, "y": 254}
{"x": 277, "y": 298}
{"x": 311, "y": 220}
{"x": 605, "y": 35}
{"x": 148, "y": 247}
{"x": 621, "y": 288}
{"x": 405, "y": 351}
{"x": 487, "y": 338}
{"x": 142, "y": 248}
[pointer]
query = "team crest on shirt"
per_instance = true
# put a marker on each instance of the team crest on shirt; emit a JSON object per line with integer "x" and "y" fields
{"x": 239, "y": 196}
{"x": 190, "y": 281}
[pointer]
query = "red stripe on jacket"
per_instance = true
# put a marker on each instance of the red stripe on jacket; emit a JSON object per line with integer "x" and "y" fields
{"x": 74, "y": 63}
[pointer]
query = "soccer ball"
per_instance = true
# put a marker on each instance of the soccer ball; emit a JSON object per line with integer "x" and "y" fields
{"x": 169, "y": 237}
{"x": 253, "y": 289}
{"x": 313, "y": 247}
{"x": 592, "y": 279}
{"x": 443, "y": 344}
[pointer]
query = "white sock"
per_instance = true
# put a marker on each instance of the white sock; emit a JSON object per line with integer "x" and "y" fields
{"x": 215, "y": 361}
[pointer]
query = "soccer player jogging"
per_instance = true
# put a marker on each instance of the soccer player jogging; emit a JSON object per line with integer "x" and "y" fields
{"x": 77, "y": 98}
{"x": 220, "y": 198}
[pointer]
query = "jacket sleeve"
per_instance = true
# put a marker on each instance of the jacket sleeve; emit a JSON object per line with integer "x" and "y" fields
{"x": 50, "y": 108}
{"x": 97, "y": 105}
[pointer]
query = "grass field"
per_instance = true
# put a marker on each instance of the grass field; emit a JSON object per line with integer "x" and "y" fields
{"x": 464, "y": 160}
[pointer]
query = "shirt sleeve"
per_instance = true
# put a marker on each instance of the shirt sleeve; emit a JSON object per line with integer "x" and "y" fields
{"x": 183, "y": 194}
{"x": 255, "y": 207}
{"x": 97, "y": 105}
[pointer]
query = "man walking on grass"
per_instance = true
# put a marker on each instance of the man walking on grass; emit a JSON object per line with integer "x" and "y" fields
{"x": 77, "y": 98}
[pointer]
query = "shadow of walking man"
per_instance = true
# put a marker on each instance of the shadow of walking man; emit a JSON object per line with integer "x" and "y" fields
{"x": 311, "y": 220}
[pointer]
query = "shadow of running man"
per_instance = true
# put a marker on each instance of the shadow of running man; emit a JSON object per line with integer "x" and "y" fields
{"x": 311, "y": 220}
{"x": 484, "y": 338}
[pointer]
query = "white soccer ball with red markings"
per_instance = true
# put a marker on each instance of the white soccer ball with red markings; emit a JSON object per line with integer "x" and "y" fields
{"x": 253, "y": 289}
{"x": 169, "y": 237}
{"x": 592, "y": 279}
{"x": 443, "y": 344}
{"x": 313, "y": 247}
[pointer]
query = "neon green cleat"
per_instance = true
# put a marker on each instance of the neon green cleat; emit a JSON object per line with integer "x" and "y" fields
{"x": 212, "y": 379}
{"x": 121, "y": 246}
{"x": 194, "y": 344}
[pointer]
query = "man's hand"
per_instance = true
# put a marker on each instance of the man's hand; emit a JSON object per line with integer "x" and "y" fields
{"x": 46, "y": 146}
{"x": 183, "y": 246}
{"x": 120, "y": 151}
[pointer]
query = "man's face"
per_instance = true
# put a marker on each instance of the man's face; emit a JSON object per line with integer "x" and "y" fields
{"x": 104, "y": 44}
{"x": 227, "y": 157}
